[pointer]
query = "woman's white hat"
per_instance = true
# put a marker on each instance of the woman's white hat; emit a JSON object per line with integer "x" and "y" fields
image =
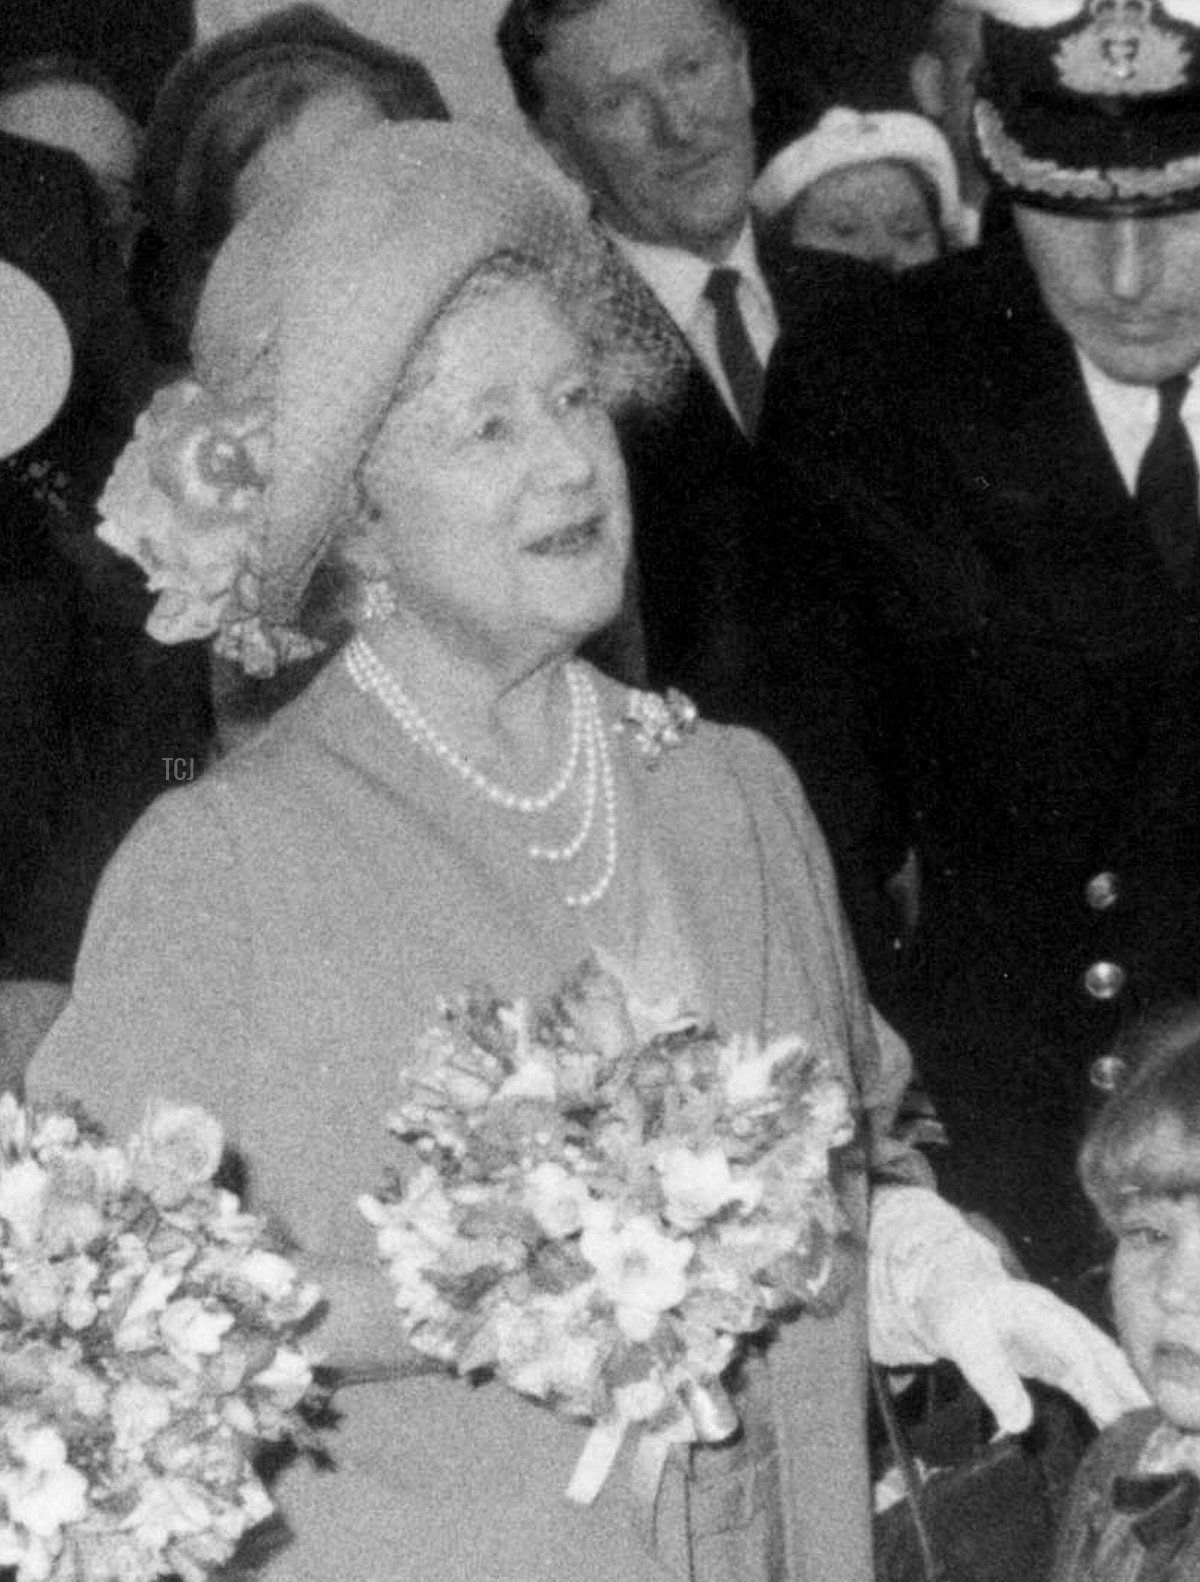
{"x": 844, "y": 137}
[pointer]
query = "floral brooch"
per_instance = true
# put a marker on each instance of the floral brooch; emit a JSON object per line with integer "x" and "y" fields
{"x": 659, "y": 720}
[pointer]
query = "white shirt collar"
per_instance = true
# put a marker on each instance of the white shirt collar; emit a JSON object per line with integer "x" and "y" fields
{"x": 1128, "y": 413}
{"x": 678, "y": 278}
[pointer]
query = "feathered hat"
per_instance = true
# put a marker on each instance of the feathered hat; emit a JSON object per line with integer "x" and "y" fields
{"x": 240, "y": 479}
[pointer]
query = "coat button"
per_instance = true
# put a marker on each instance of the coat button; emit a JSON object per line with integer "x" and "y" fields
{"x": 1104, "y": 980}
{"x": 1102, "y": 891}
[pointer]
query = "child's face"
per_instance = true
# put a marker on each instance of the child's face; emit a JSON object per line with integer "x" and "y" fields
{"x": 876, "y": 211}
{"x": 1156, "y": 1296}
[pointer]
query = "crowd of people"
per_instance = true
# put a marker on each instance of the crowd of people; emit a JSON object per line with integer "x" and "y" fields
{"x": 420, "y": 464}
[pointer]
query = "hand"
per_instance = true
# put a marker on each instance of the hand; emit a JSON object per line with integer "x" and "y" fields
{"x": 937, "y": 1288}
{"x": 990, "y": 1231}
{"x": 998, "y": 1332}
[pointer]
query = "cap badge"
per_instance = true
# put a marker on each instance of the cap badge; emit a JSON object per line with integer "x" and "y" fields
{"x": 1122, "y": 49}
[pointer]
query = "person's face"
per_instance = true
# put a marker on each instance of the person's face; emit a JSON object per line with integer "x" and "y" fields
{"x": 648, "y": 102}
{"x": 876, "y": 211}
{"x": 1156, "y": 1299}
{"x": 499, "y": 488}
{"x": 1126, "y": 290}
{"x": 288, "y": 157}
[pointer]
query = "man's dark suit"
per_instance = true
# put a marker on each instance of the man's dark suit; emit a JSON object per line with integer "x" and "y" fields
{"x": 983, "y": 658}
{"x": 697, "y": 529}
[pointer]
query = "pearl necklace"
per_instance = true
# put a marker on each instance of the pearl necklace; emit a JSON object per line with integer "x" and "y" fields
{"x": 589, "y": 741}
{"x": 371, "y": 675}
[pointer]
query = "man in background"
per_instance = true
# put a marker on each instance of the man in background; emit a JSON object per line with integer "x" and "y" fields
{"x": 648, "y": 103}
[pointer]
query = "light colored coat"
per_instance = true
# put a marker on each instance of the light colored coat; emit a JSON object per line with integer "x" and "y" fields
{"x": 268, "y": 944}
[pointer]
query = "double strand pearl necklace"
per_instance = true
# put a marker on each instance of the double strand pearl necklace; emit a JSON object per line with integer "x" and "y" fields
{"x": 588, "y": 743}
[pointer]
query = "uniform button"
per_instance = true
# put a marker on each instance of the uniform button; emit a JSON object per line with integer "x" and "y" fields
{"x": 1107, "y": 1073}
{"x": 1104, "y": 980}
{"x": 1102, "y": 891}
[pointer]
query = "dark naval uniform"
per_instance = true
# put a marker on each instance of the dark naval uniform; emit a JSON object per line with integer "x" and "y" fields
{"x": 979, "y": 656}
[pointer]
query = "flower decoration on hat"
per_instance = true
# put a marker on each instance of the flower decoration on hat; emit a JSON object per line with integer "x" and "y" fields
{"x": 186, "y": 501}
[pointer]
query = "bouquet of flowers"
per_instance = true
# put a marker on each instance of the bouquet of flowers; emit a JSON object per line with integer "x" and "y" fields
{"x": 598, "y": 1201}
{"x": 149, "y": 1338}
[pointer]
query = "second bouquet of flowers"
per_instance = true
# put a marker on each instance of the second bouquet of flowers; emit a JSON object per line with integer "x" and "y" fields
{"x": 598, "y": 1202}
{"x": 150, "y": 1339}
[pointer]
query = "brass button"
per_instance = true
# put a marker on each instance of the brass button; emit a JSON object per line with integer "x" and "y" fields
{"x": 1107, "y": 1073}
{"x": 1102, "y": 891}
{"x": 1104, "y": 980}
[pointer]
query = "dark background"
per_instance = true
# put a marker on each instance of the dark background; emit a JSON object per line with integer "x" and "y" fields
{"x": 133, "y": 42}
{"x": 806, "y": 55}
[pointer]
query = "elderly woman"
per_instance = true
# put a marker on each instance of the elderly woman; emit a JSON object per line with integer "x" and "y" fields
{"x": 403, "y": 382}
